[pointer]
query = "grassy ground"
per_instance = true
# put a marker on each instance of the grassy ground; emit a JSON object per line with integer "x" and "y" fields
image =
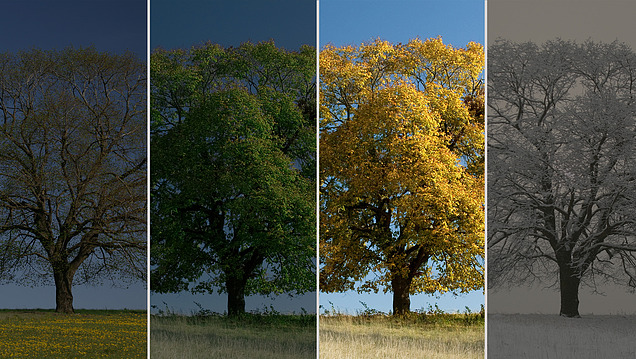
{"x": 86, "y": 334}
{"x": 416, "y": 336}
{"x": 252, "y": 336}
{"x": 551, "y": 336}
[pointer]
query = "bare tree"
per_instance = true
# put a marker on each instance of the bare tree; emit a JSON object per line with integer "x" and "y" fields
{"x": 561, "y": 165}
{"x": 72, "y": 168}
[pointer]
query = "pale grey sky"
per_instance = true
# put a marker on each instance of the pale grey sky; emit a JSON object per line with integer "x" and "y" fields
{"x": 541, "y": 20}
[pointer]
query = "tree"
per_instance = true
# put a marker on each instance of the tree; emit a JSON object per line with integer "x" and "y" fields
{"x": 233, "y": 171}
{"x": 72, "y": 168}
{"x": 561, "y": 168}
{"x": 401, "y": 168}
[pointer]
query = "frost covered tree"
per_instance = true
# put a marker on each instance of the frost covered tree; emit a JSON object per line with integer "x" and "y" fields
{"x": 561, "y": 165}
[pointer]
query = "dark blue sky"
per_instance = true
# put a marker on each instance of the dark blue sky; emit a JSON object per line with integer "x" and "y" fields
{"x": 109, "y": 25}
{"x": 182, "y": 24}
{"x": 114, "y": 26}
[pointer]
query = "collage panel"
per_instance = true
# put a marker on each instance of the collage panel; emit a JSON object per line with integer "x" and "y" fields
{"x": 233, "y": 179}
{"x": 73, "y": 175}
{"x": 561, "y": 248}
{"x": 401, "y": 236}
{"x": 304, "y": 179}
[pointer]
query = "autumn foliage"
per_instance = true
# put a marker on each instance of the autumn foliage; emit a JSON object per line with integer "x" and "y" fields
{"x": 401, "y": 168}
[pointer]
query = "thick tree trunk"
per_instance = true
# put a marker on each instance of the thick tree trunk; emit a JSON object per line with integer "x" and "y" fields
{"x": 235, "y": 296}
{"x": 569, "y": 285}
{"x": 401, "y": 288}
{"x": 63, "y": 291}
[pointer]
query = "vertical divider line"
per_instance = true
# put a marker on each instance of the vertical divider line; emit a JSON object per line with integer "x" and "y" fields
{"x": 317, "y": 179}
{"x": 148, "y": 179}
{"x": 486, "y": 179}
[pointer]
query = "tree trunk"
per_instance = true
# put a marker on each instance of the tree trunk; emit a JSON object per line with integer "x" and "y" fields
{"x": 63, "y": 290}
{"x": 235, "y": 296}
{"x": 569, "y": 283}
{"x": 401, "y": 288}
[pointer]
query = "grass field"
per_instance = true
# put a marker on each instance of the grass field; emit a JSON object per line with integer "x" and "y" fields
{"x": 86, "y": 334}
{"x": 440, "y": 336}
{"x": 252, "y": 336}
{"x": 551, "y": 336}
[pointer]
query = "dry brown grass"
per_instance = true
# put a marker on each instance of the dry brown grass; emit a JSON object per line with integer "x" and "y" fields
{"x": 447, "y": 336}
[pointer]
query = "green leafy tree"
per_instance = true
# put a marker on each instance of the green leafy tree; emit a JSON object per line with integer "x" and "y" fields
{"x": 233, "y": 170}
{"x": 72, "y": 168}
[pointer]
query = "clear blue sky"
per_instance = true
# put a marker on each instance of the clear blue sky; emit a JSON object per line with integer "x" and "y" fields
{"x": 183, "y": 24}
{"x": 113, "y": 26}
{"x": 351, "y": 22}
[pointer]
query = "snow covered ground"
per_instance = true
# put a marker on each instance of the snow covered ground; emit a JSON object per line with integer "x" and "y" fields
{"x": 551, "y": 336}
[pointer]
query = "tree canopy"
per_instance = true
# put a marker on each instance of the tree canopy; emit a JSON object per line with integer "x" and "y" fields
{"x": 561, "y": 151}
{"x": 401, "y": 168}
{"x": 72, "y": 168}
{"x": 233, "y": 170}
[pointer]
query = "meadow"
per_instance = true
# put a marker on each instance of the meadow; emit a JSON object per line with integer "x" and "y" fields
{"x": 85, "y": 334}
{"x": 551, "y": 336}
{"x": 419, "y": 335}
{"x": 275, "y": 336}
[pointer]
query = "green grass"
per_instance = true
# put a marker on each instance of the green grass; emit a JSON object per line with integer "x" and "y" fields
{"x": 86, "y": 334}
{"x": 414, "y": 336}
{"x": 250, "y": 336}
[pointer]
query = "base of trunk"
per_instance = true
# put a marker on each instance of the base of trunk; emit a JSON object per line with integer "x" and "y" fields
{"x": 235, "y": 298}
{"x": 570, "y": 316}
{"x": 64, "y": 309}
{"x": 63, "y": 294}
{"x": 569, "y": 286}
{"x": 401, "y": 296}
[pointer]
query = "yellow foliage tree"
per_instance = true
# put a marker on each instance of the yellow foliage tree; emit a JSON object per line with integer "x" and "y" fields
{"x": 401, "y": 169}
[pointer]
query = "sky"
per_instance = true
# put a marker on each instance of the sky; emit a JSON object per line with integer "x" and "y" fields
{"x": 352, "y": 22}
{"x": 578, "y": 20}
{"x": 110, "y": 25}
{"x": 183, "y": 24}
{"x": 114, "y": 26}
